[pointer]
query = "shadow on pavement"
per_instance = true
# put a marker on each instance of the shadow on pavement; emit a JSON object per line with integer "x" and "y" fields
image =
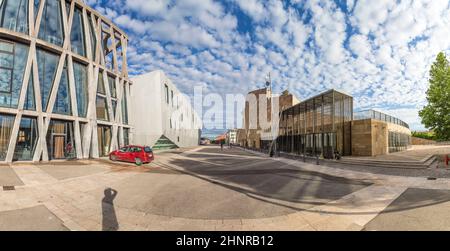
{"x": 275, "y": 180}
{"x": 109, "y": 218}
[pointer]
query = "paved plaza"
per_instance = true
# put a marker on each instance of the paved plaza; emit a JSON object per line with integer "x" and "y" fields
{"x": 205, "y": 188}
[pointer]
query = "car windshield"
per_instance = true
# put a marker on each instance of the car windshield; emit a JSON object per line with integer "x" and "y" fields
{"x": 123, "y": 149}
{"x": 147, "y": 149}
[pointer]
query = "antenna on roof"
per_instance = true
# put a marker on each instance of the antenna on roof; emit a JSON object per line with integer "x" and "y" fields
{"x": 268, "y": 82}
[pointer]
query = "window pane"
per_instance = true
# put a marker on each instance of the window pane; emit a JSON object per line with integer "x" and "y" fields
{"x": 77, "y": 34}
{"x": 36, "y": 8}
{"x": 114, "y": 105}
{"x": 81, "y": 88}
{"x": 7, "y": 47}
{"x": 47, "y": 64}
{"x": 93, "y": 38}
{"x": 60, "y": 140}
{"x": 62, "y": 103}
{"x": 11, "y": 79}
{"x": 101, "y": 84}
{"x": 5, "y": 80}
{"x": 15, "y": 16}
{"x": 26, "y": 139}
{"x": 6, "y": 60}
{"x": 29, "y": 100}
{"x": 112, "y": 86}
{"x": 6, "y": 125}
{"x": 124, "y": 106}
{"x": 102, "y": 108}
{"x": 51, "y": 24}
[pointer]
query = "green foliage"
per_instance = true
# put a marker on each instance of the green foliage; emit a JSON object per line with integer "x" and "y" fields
{"x": 424, "y": 135}
{"x": 436, "y": 114}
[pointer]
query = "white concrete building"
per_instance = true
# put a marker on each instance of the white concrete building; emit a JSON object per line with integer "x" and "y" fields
{"x": 162, "y": 116}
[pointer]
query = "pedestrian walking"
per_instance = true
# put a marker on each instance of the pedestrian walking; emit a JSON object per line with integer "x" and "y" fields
{"x": 221, "y": 145}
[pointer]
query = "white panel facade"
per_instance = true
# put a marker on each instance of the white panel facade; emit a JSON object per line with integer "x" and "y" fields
{"x": 160, "y": 109}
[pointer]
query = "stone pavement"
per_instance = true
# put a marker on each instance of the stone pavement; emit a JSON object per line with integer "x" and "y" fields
{"x": 208, "y": 189}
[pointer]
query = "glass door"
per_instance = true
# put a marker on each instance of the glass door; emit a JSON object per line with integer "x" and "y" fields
{"x": 104, "y": 140}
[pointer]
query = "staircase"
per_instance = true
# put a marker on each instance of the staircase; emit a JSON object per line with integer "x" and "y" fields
{"x": 164, "y": 143}
{"x": 430, "y": 161}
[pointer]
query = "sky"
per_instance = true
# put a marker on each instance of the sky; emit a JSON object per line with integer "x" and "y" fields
{"x": 380, "y": 52}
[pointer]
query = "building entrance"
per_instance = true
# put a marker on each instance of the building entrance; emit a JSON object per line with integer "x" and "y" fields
{"x": 104, "y": 140}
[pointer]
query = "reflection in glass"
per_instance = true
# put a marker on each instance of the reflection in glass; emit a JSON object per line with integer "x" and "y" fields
{"x": 6, "y": 125}
{"x": 14, "y": 15}
{"x": 104, "y": 140}
{"x": 77, "y": 34}
{"x": 126, "y": 136}
{"x": 81, "y": 88}
{"x": 101, "y": 84}
{"x": 47, "y": 64}
{"x": 13, "y": 58}
{"x": 51, "y": 25}
{"x": 124, "y": 106}
{"x": 26, "y": 139}
{"x": 102, "y": 109}
{"x": 92, "y": 38}
{"x": 62, "y": 103}
{"x": 112, "y": 86}
{"x": 36, "y": 8}
{"x": 60, "y": 140}
{"x": 114, "y": 106}
{"x": 29, "y": 99}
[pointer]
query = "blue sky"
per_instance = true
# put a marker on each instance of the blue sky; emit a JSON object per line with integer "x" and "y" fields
{"x": 380, "y": 51}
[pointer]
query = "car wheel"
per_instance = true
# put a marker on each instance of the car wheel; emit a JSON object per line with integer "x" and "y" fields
{"x": 113, "y": 157}
{"x": 138, "y": 161}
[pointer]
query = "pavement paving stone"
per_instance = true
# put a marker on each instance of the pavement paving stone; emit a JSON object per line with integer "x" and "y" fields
{"x": 36, "y": 218}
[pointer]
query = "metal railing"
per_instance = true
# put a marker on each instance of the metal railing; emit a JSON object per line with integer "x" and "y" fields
{"x": 372, "y": 114}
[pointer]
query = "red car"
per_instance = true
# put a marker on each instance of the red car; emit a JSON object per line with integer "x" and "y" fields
{"x": 134, "y": 154}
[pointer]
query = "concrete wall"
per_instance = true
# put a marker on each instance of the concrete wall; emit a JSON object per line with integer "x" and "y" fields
{"x": 155, "y": 116}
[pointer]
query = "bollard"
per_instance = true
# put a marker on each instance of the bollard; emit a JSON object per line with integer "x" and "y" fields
{"x": 317, "y": 159}
{"x": 304, "y": 157}
{"x": 447, "y": 160}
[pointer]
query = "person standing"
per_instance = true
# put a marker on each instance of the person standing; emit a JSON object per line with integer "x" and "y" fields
{"x": 221, "y": 145}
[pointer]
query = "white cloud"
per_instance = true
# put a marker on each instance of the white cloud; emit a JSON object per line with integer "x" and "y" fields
{"x": 394, "y": 43}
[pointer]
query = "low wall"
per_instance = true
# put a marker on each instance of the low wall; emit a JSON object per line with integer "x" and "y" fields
{"x": 420, "y": 141}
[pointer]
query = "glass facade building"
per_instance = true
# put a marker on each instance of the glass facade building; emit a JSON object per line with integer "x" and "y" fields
{"x": 64, "y": 84}
{"x": 316, "y": 126}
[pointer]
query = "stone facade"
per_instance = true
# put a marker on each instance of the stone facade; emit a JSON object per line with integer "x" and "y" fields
{"x": 369, "y": 137}
{"x": 254, "y": 132}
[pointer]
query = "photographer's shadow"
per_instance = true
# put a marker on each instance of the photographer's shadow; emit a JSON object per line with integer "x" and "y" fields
{"x": 109, "y": 221}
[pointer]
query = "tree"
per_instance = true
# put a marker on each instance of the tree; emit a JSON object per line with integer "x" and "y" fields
{"x": 436, "y": 114}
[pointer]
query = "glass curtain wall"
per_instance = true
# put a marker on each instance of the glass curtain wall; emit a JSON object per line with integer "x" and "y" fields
{"x": 104, "y": 140}
{"x": 60, "y": 140}
{"x": 6, "y": 125}
{"x": 81, "y": 87}
{"x": 317, "y": 126}
{"x": 62, "y": 103}
{"x": 77, "y": 34}
{"x": 13, "y": 59}
{"x": 26, "y": 139}
{"x": 124, "y": 106}
{"x": 14, "y": 15}
{"x": 102, "y": 105}
{"x": 51, "y": 29}
{"x": 47, "y": 64}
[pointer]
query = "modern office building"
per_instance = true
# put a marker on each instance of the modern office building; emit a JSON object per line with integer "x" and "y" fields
{"x": 326, "y": 124}
{"x": 64, "y": 85}
{"x": 163, "y": 116}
